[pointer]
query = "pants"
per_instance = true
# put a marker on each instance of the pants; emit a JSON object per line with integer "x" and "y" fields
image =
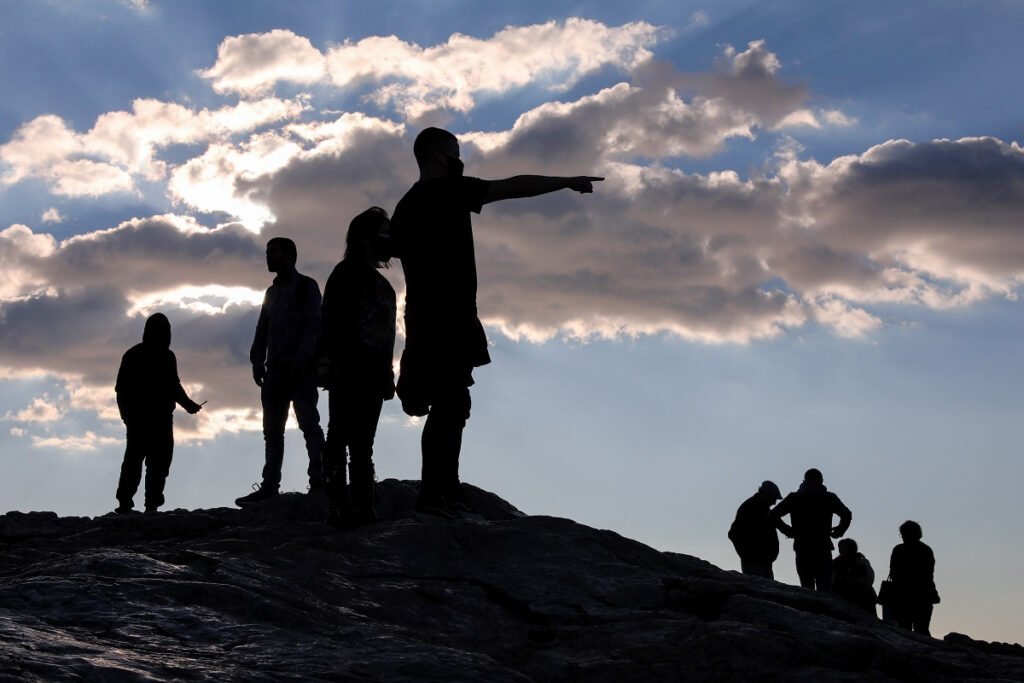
{"x": 814, "y": 567}
{"x": 276, "y": 399}
{"x": 441, "y": 443}
{"x": 351, "y": 428}
{"x": 757, "y": 568}
{"x": 149, "y": 441}
{"x": 913, "y": 616}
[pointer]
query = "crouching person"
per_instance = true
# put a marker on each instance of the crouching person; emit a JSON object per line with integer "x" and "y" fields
{"x": 356, "y": 355}
{"x": 147, "y": 390}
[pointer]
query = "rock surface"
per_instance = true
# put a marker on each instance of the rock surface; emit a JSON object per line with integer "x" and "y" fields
{"x": 269, "y": 593}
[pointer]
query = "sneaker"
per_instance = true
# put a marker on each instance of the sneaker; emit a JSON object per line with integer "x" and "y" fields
{"x": 259, "y": 494}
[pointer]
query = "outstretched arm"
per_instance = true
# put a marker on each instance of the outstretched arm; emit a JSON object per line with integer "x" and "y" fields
{"x": 533, "y": 185}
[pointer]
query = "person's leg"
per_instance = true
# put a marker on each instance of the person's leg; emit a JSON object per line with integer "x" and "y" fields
{"x": 823, "y": 571}
{"x": 339, "y": 508}
{"x": 304, "y": 400}
{"x": 363, "y": 428}
{"x": 158, "y": 460}
{"x": 441, "y": 443}
{"x": 921, "y": 618}
{"x": 757, "y": 568}
{"x": 275, "y": 414}
{"x": 131, "y": 466}
{"x": 805, "y": 569}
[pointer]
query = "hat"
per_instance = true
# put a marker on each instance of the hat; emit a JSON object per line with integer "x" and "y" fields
{"x": 771, "y": 489}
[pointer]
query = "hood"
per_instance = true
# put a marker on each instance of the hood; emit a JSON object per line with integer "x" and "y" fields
{"x": 158, "y": 332}
{"x": 812, "y": 487}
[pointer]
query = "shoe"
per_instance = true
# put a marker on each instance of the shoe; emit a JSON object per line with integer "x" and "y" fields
{"x": 152, "y": 510}
{"x": 260, "y": 493}
{"x": 315, "y": 487}
{"x": 125, "y": 510}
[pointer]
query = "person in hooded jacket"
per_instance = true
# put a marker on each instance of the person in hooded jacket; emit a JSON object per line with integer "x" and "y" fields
{"x": 147, "y": 390}
{"x": 810, "y": 509}
{"x": 753, "y": 532}
{"x": 355, "y": 366}
{"x": 853, "y": 579}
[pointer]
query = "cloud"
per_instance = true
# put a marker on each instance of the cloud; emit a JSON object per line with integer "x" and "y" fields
{"x": 415, "y": 80}
{"x": 88, "y": 442}
{"x": 123, "y": 146}
{"x": 52, "y": 215}
{"x": 716, "y": 257}
{"x": 251, "y": 64}
{"x": 40, "y": 410}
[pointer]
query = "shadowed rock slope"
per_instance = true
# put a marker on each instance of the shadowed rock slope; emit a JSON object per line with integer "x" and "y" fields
{"x": 270, "y": 593}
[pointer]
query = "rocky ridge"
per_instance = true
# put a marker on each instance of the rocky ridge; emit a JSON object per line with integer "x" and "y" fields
{"x": 269, "y": 593}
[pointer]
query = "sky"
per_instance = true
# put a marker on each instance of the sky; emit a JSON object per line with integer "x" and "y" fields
{"x": 807, "y": 251}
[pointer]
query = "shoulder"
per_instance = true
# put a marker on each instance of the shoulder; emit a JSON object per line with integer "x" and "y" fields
{"x": 383, "y": 282}
{"x": 306, "y": 282}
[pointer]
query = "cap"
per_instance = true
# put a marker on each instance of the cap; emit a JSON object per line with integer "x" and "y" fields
{"x": 771, "y": 489}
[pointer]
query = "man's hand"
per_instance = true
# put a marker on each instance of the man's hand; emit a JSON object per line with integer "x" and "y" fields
{"x": 259, "y": 373}
{"x": 193, "y": 408}
{"x": 583, "y": 183}
{"x": 836, "y": 533}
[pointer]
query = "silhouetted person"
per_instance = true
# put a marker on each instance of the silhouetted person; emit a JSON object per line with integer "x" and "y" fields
{"x": 356, "y": 355}
{"x": 853, "y": 579}
{"x": 810, "y": 509}
{"x": 283, "y": 358}
{"x": 147, "y": 389}
{"x": 912, "y": 571}
{"x": 753, "y": 532}
{"x": 432, "y": 234}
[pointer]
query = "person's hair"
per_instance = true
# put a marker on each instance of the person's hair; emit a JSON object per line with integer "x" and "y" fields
{"x": 362, "y": 228}
{"x": 813, "y": 475}
{"x": 848, "y": 542}
{"x": 427, "y": 142}
{"x": 911, "y": 531}
{"x": 287, "y": 246}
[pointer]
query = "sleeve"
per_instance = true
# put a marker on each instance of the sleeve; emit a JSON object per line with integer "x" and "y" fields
{"x": 313, "y": 320}
{"x": 121, "y": 387}
{"x": 779, "y": 511}
{"x": 327, "y": 317}
{"x": 471, "y": 193}
{"x": 258, "y": 352}
{"x": 180, "y": 397}
{"x": 845, "y": 516}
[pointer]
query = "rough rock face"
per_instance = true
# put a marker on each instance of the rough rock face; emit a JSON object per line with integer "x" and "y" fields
{"x": 270, "y": 593}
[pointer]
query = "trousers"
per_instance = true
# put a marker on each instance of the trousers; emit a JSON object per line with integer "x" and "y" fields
{"x": 151, "y": 441}
{"x": 276, "y": 399}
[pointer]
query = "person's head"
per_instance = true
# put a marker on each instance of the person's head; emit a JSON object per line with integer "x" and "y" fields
{"x": 281, "y": 254}
{"x": 813, "y": 476}
{"x": 770, "y": 491}
{"x": 847, "y": 547}
{"x": 157, "y": 332}
{"x": 437, "y": 153}
{"x": 910, "y": 531}
{"x": 367, "y": 238}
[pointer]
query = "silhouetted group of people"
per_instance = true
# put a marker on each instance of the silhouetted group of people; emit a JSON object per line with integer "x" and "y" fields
{"x": 344, "y": 342}
{"x": 908, "y": 595}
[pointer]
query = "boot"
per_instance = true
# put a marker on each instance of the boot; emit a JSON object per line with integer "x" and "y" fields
{"x": 363, "y": 490}
{"x": 339, "y": 508}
